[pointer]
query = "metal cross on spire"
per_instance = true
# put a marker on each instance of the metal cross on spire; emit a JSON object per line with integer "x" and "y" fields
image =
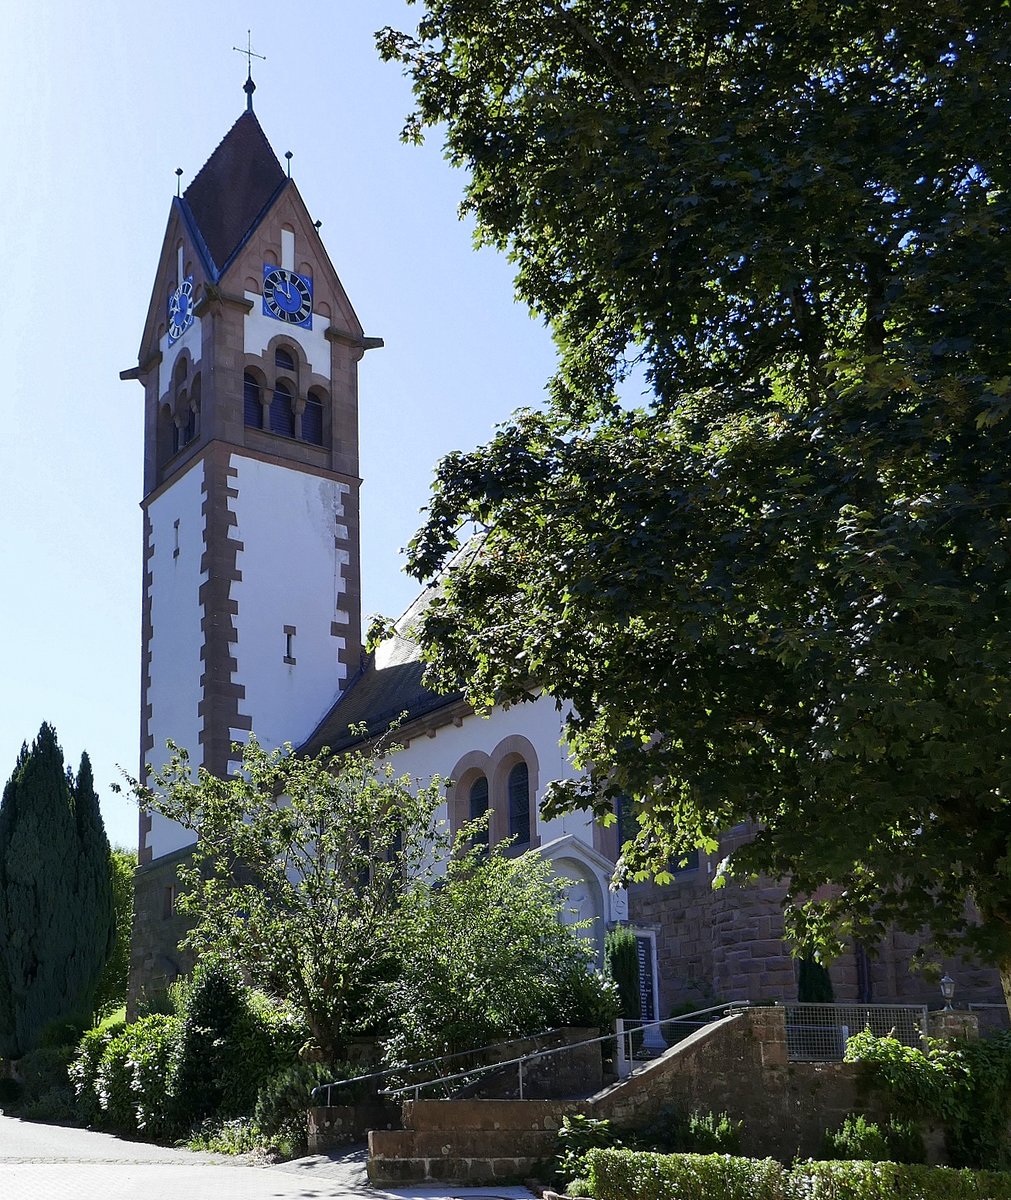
{"x": 249, "y": 87}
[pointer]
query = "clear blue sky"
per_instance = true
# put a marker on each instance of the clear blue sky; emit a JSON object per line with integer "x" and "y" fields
{"x": 101, "y": 102}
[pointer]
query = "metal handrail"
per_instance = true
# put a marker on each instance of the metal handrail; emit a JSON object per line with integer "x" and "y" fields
{"x": 425, "y": 1062}
{"x": 620, "y": 1034}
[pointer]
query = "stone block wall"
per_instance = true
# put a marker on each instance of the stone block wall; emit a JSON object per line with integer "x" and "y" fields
{"x": 739, "y": 1066}
{"x": 155, "y": 957}
{"x": 729, "y": 945}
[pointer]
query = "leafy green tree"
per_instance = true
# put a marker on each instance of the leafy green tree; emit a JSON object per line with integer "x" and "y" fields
{"x": 56, "y": 918}
{"x": 112, "y": 988}
{"x": 778, "y": 591}
{"x": 299, "y": 872}
{"x": 485, "y": 957}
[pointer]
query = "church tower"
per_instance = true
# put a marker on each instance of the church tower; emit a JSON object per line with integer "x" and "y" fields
{"x": 249, "y": 362}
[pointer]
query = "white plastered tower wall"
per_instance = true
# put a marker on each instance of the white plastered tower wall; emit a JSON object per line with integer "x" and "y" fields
{"x": 175, "y": 548}
{"x": 289, "y": 597}
{"x": 251, "y": 589}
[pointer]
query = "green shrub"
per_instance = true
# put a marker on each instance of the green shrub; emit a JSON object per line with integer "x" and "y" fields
{"x": 45, "y": 1068}
{"x": 240, "y": 1136}
{"x": 264, "y": 1041}
{"x": 858, "y": 1139}
{"x": 54, "y": 1104}
{"x": 282, "y": 1107}
{"x": 887, "y": 1180}
{"x": 10, "y": 1094}
{"x": 126, "y": 1090}
{"x": 627, "y": 1175}
{"x": 83, "y": 1070}
{"x": 65, "y": 1032}
{"x": 674, "y": 1131}
{"x": 577, "y": 1135}
{"x": 965, "y": 1087}
{"x": 214, "y": 1013}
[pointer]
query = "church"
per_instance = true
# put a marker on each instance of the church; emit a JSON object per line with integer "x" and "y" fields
{"x": 251, "y": 602}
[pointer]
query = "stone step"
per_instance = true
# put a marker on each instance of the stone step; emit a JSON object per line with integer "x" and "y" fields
{"x": 514, "y": 1115}
{"x": 446, "y": 1143}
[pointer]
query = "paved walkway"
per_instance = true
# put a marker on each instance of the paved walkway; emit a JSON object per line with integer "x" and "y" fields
{"x": 54, "y": 1162}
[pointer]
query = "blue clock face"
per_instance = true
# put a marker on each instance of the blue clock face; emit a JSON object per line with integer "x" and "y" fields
{"x": 286, "y": 296}
{"x": 180, "y": 310}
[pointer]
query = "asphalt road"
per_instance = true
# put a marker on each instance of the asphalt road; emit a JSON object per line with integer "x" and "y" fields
{"x": 54, "y": 1162}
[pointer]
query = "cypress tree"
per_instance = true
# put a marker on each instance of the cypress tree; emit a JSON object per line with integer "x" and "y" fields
{"x": 94, "y": 891}
{"x": 55, "y": 910}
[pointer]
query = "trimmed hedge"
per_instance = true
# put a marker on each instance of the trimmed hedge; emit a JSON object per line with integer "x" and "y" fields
{"x": 626, "y": 1175}
{"x": 887, "y": 1180}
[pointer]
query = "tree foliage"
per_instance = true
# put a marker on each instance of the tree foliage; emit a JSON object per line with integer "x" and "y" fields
{"x": 778, "y": 591}
{"x": 56, "y": 912}
{"x": 111, "y": 992}
{"x": 299, "y": 871}
{"x": 485, "y": 958}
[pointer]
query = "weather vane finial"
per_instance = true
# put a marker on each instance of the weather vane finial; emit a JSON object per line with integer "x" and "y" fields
{"x": 249, "y": 87}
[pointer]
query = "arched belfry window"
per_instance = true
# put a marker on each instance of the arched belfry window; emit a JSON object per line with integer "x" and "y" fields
{"x": 252, "y": 401}
{"x": 479, "y": 806}
{"x": 284, "y": 360}
{"x": 519, "y": 804}
{"x": 312, "y": 418}
{"x": 282, "y": 413}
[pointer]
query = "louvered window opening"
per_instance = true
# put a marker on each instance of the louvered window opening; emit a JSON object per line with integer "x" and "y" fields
{"x": 282, "y": 415}
{"x": 251, "y": 402}
{"x": 312, "y": 420}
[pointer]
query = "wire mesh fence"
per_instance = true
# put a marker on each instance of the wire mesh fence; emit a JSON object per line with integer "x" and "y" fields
{"x": 818, "y": 1032}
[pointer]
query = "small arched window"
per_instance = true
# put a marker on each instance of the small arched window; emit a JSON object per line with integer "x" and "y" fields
{"x": 284, "y": 360}
{"x": 519, "y": 804}
{"x": 282, "y": 414}
{"x": 252, "y": 402}
{"x": 479, "y": 806}
{"x": 312, "y": 419}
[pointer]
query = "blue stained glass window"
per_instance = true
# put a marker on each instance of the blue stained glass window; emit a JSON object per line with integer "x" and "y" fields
{"x": 519, "y": 804}
{"x": 479, "y": 806}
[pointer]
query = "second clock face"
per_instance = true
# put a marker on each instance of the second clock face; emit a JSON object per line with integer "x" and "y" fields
{"x": 286, "y": 296}
{"x": 180, "y": 310}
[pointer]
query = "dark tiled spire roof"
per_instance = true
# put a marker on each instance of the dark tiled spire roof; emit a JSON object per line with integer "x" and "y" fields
{"x": 233, "y": 188}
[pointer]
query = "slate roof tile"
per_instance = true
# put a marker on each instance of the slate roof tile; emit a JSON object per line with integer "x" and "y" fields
{"x": 233, "y": 188}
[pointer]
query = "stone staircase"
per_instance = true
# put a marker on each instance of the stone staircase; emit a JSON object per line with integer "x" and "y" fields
{"x": 468, "y": 1141}
{"x": 481, "y": 1141}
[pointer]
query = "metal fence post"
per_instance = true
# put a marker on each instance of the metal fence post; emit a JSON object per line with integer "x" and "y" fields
{"x": 519, "y": 1068}
{"x": 621, "y": 1063}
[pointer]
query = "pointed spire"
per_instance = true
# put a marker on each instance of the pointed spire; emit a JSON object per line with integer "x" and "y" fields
{"x": 249, "y": 87}
{"x": 233, "y": 188}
